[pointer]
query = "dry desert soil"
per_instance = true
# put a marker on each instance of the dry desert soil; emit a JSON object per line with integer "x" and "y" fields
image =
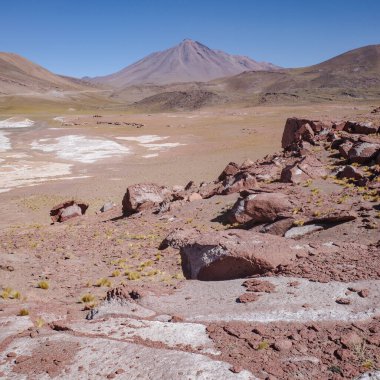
{"x": 177, "y": 288}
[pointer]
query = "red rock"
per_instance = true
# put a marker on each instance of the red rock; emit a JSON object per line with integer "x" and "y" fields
{"x": 350, "y": 172}
{"x": 195, "y": 197}
{"x": 248, "y": 297}
{"x": 363, "y": 152}
{"x": 345, "y": 148}
{"x": 279, "y": 227}
{"x": 143, "y": 196}
{"x": 239, "y": 182}
{"x": 246, "y": 164}
{"x": 225, "y": 255}
{"x": 282, "y": 345}
{"x": 259, "y": 286}
{"x": 230, "y": 170}
{"x": 67, "y": 210}
{"x": 343, "y": 301}
{"x": 306, "y": 168}
{"x": 350, "y": 339}
{"x": 360, "y": 128}
{"x": 364, "y": 293}
{"x": 296, "y": 130}
{"x": 259, "y": 208}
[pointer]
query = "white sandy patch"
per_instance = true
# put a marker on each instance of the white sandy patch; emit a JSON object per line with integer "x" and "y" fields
{"x": 59, "y": 118}
{"x": 150, "y": 155}
{"x": 28, "y": 173}
{"x": 161, "y": 147}
{"x": 144, "y": 139}
{"x": 15, "y": 122}
{"x": 17, "y": 155}
{"x": 5, "y": 143}
{"x": 171, "y": 334}
{"x": 80, "y": 148}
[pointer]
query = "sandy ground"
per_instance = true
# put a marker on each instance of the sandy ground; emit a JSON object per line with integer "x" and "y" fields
{"x": 96, "y": 158}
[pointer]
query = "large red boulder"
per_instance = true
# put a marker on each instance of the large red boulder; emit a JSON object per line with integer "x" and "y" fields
{"x": 226, "y": 255}
{"x": 144, "y": 196}
{"x": 260, "y": 208}
{"x": 67, "y": 210}
{"x": 297, "y": 130}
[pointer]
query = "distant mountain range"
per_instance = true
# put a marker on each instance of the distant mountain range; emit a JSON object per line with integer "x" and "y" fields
{"x": 190, "y": 75}
{"x": 189, "y": 61}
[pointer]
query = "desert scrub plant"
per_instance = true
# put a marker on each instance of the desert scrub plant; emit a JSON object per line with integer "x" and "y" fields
{"x": 23, "y": 313}
{"x": 43, "y": 285}
{"x": 87, "y": 298}
{"x": 298, "y": 222}
{"x": 263, "y": 345}
{"x": 103, "y": 282}
{"x": 39, "y": 322}
{"x": 308, "y": 183}
{"x": 152, "y": 273}
{"x": 145, "y": 264}
{"x": 115, "y": 273}
{"x": 367, "y": 364}
{"x": 132, "y": 275}
{"x": 9, "y": 293}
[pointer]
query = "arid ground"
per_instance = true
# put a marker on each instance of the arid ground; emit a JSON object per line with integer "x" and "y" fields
{"x": 144, "y": 319}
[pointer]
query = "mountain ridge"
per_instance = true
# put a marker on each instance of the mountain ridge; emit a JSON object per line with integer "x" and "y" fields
{"x": 189, "y": 61}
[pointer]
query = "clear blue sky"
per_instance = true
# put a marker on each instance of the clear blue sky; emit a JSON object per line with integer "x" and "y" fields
{"x": 98, "y": 37}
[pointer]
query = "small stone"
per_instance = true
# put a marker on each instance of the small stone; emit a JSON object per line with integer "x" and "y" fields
{"x": 350, "y": 339}
{"x": 343, "y": 301}
{"x": 11, "y": 354}
{"x": 236, "y": 369}
{"x": 119, "y": 371}
{"x": 282, "y": 345}
{"x": 111, "y": 376}
{"x": 364, "y": 293}
{"x": 247, "y": 297}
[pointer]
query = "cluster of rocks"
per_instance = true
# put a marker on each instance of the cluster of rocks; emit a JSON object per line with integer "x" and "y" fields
{"x": 268, "y": 200}
{"x": 271, "y": 199}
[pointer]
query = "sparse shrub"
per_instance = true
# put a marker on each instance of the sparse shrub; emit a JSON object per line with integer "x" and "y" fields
{"x": 115, "y": 273}
{"x": 87, "y": 298}
{"x": 39, "y": 322}
{"x": 103, "y": 282}
{"x": 299, "y": 222}
{"x": 263, "y": 345}
{"x": 43, "y": 285}
{"x": 23, "y": 312}
{"x": 132, "y": 275}
{"x": 367, "y": 364}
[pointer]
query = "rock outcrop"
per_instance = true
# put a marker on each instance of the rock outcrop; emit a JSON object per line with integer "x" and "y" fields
{"x": 260, "y": 208}
{"x": 229, "y": 254}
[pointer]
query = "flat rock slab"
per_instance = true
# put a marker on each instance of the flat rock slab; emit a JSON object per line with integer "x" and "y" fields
{"x": 168, "y": 333}
{"x": 310, "y": 301}
{"x": 10, "y": 326}
{"x": 97, "y": 358}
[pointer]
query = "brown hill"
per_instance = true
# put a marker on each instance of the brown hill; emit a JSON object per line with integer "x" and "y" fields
{"x": 21, "y": 76}
{"x": 187, "y": 62}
